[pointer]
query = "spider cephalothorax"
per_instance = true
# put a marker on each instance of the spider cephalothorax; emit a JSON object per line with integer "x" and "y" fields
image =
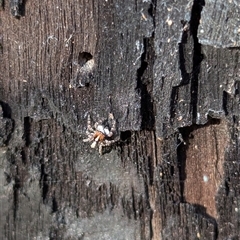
{"x": 102, "y": 134}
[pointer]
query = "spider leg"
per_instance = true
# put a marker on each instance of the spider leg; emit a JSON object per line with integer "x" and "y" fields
{"x": 89, "y": 133}
{"x": 89, "y": 139}
{"x": 109, "y": 142}
{"x": 89, "y": 124}
{"x": 105, "y": 143}
{"x": 101, "y": 148}
{"x": 113, "y": 125}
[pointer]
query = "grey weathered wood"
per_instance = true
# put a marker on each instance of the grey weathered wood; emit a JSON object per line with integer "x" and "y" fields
{"x": 220, "y": 24}
{"x": 173, "y": 174}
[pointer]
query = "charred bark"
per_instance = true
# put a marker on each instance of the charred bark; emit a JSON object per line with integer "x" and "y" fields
{"x": 172, "y": 71}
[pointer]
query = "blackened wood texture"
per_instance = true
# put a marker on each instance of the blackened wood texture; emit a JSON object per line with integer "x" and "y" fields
{"x": 174, "y": 172}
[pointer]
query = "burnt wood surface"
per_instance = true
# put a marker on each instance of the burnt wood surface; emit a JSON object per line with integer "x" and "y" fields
{"x": 171, "y": 70}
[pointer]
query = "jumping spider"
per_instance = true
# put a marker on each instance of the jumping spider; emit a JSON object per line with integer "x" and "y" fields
{"x": 101, "y": 133}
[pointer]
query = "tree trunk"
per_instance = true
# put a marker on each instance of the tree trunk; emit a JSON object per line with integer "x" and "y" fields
{"x": 168, "y": 71}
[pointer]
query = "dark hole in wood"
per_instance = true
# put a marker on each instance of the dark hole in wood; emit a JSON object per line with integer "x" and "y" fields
{"x": 44, "y": 183}
{"x": 8, "y": 121}
{"x": 54, "y": 205}
{"x": 27, "y": 130}
{"x": 151, "y": 10}
{"x": 237, "y": 87}
{"x": 16, "y": 188}
{"x": 6, "y": 110}
{"x": 87, "y": 84}
{"x": 124, "y": 136}
{"x": 17, "y": 8}
{"x": 197, "y": 56}
{"x": 172, "y": 170}
{"x": 182, "y": 61}
{"x": 24, "y": 156}
{"x": 83, "y": 57}
{"x": 224, "y": 102}
{"x": 143, "y": 86}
